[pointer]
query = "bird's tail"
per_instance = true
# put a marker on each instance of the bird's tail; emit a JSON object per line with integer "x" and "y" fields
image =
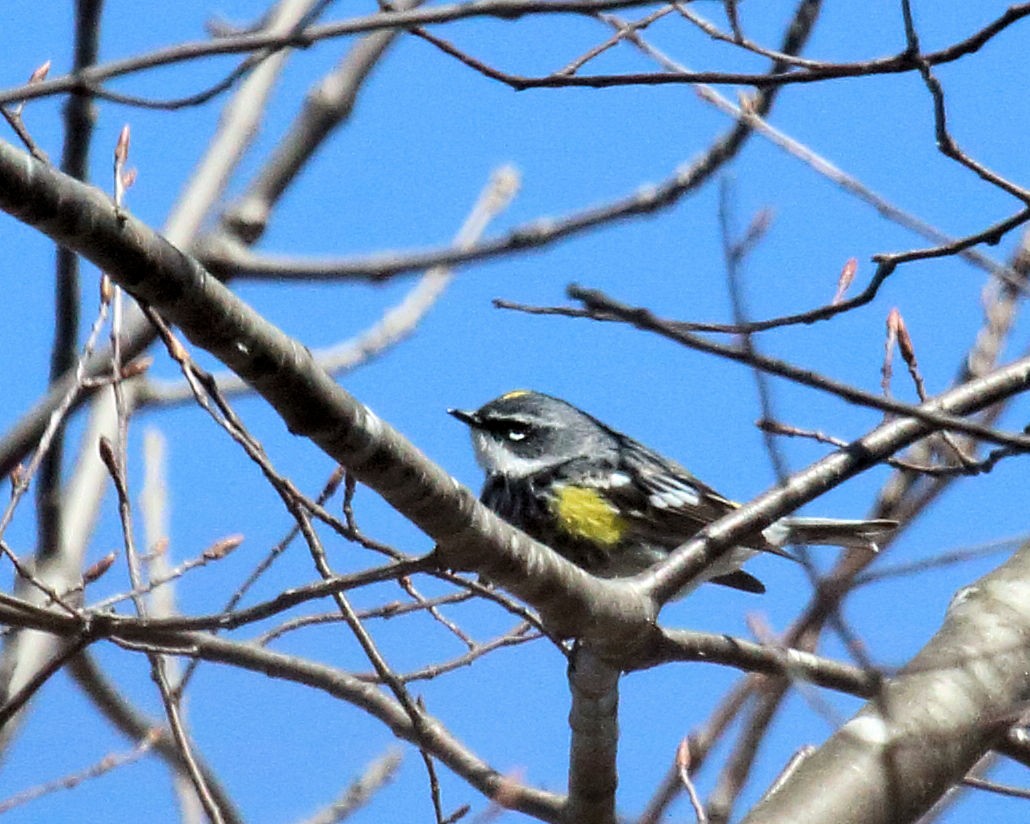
{"x": 831, "y": 531}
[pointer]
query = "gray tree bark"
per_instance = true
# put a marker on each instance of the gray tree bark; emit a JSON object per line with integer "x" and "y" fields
{"x": 930, "y": 724}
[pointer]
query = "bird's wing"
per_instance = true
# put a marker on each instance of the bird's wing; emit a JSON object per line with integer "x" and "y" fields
{"x": 663, "y": 501}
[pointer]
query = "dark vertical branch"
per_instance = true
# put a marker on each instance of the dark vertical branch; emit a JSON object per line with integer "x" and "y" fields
{"x": 79, "y": 115}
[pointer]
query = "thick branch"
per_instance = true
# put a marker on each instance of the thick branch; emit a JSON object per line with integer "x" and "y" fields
{"x": 929, "y": 725}
{"x": 593, "y": 720}
{"x": 685, "y": 645}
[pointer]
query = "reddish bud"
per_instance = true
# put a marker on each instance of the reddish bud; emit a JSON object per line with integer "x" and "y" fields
{"x": 337, "y": 477}
{"x": 160, "y": 547}
{"x": 137, "y": 367}
{"x": 219, "y": 549}
{"x": 40, "y": 74}
{"x": 106, "y": 449}
{"x": 893, "y": 321}
{"x": 17, "y": 477}
{"x": 847, "y": 275}
{"x": 683, "y": 759}
{"x": 121, "y": 148}
{"x": 98, "y": 569}
{"x": 177, "y": 350}
{"x": 908, "y": 351}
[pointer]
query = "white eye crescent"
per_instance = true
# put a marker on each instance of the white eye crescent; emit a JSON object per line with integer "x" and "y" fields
{"x": 516, "y": 434}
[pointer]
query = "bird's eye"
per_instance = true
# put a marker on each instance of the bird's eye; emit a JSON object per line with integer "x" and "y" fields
{"x": 507, "y": 429}
{"x": 515, "y": 431}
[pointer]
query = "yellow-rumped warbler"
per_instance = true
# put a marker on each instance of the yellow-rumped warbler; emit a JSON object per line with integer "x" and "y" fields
{"x": 610, "y": 504}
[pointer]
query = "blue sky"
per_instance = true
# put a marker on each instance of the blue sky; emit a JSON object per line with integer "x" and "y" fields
{"x": 424, "y": 139}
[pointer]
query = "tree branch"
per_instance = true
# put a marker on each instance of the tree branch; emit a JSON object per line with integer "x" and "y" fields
{"x": 929, "y": 725}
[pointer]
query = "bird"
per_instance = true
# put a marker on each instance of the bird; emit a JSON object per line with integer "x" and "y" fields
{"x": 613, "y": 506}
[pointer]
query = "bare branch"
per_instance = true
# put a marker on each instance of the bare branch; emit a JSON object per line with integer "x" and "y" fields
{"x": 92, "y": 79}
{"x": 375, "y": 776}
{"x": 957, "y": 694}
{"x": 601, "y": 307}
{"x": 593, "y": 721}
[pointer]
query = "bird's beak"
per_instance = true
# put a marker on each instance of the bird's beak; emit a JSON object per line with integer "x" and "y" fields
{"x": 467, "y": 418}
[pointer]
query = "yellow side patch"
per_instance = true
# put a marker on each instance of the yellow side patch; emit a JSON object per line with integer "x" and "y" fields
{"x": 517, "y": 393}
{"x": 584, "y": 513}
